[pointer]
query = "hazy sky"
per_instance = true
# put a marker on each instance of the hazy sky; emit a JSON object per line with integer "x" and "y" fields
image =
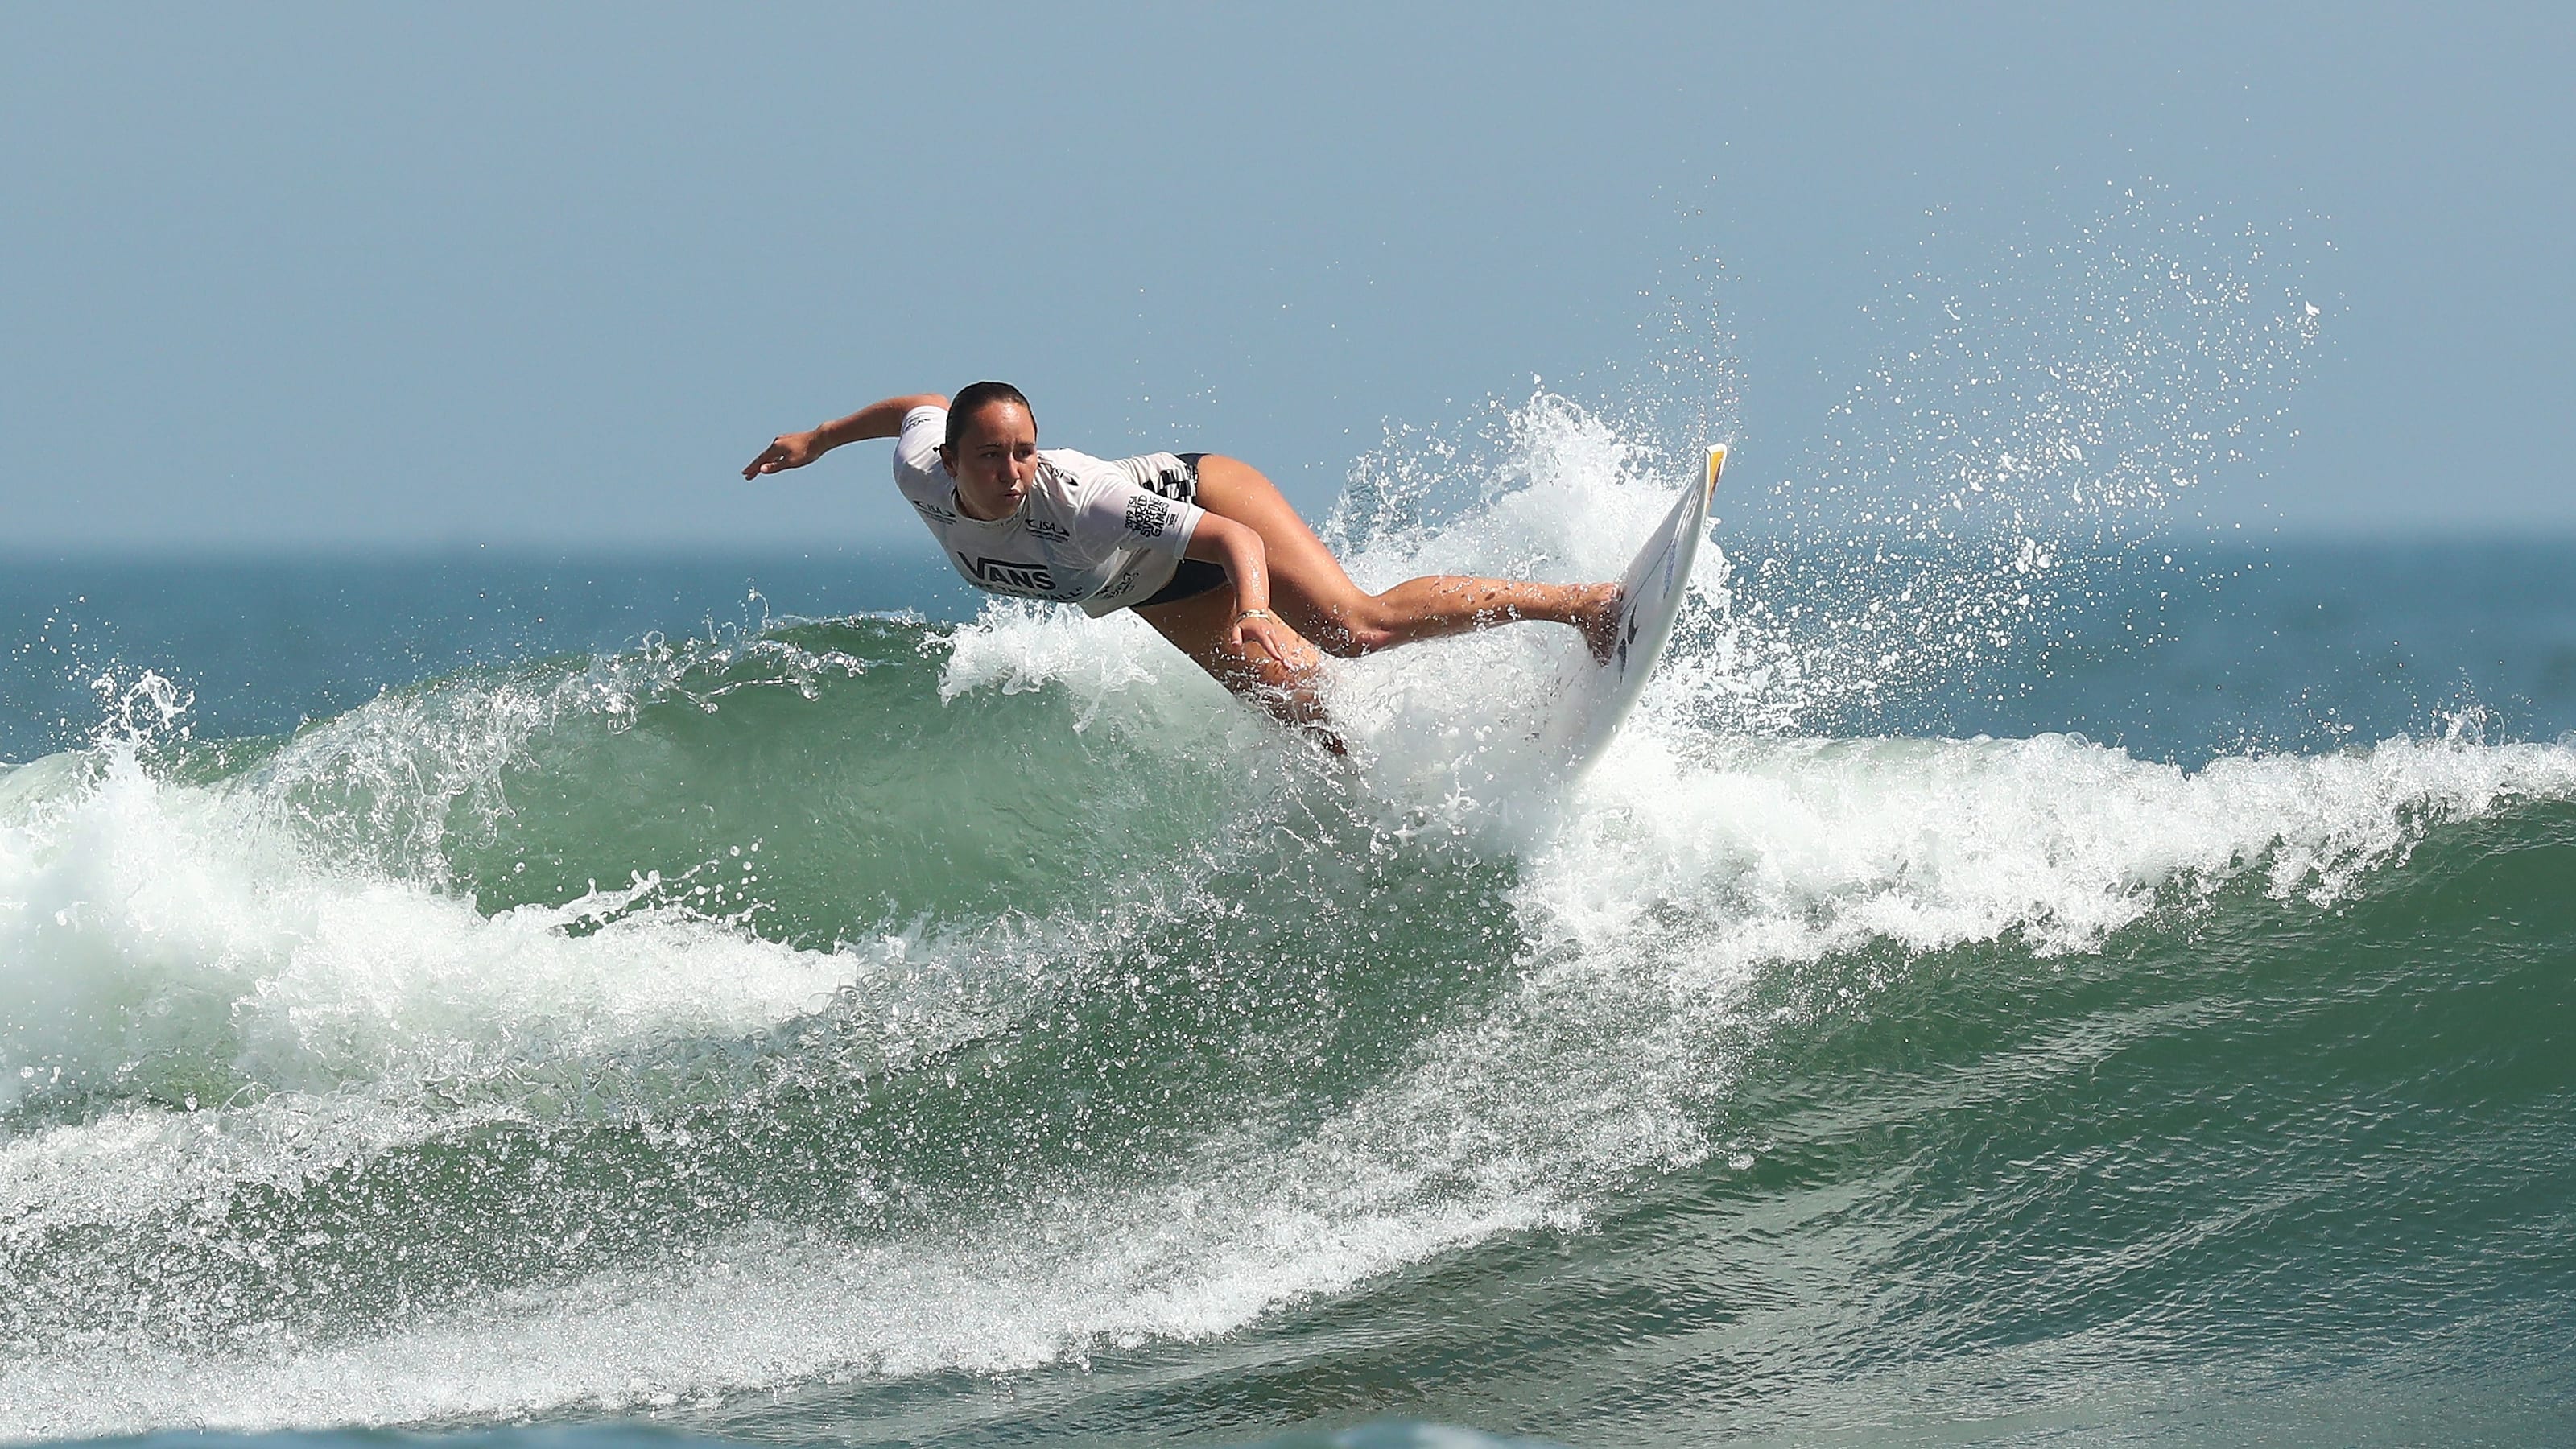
{"x": 342, "y": 275}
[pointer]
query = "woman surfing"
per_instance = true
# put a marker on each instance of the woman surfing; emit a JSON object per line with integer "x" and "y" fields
{"x": 1201, "y": 546}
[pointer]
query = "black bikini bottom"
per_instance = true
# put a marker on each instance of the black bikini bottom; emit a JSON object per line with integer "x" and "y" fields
{"x": 1195, "y": 576}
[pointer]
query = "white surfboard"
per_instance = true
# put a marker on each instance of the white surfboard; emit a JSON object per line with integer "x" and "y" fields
{"x": 1597, "y": 697}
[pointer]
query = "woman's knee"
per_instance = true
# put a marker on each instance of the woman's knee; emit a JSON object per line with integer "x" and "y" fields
{"x": 1355, "y": 643}
{"x": 1286, "y": 688}
{"x": 1362, "y": 624}
{"x": 1249, "y": 666}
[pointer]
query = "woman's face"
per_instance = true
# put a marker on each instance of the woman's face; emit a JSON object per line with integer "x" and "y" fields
{"x": 995, "y": 460}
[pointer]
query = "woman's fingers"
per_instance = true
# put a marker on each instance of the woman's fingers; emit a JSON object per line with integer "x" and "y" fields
{"x": 1259, "y": 633}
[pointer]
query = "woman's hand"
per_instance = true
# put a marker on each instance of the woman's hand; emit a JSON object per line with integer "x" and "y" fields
{"x": 1255, "y": 626}
{"x": 787, "y": 450}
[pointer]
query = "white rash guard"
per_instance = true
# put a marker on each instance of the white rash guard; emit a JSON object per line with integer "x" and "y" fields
{"x": 1086, "y": 533}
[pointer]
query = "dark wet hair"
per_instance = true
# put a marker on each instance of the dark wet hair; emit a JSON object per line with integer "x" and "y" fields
{"x": 979, "y": 396}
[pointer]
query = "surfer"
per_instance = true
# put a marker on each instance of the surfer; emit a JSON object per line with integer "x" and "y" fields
{"x": 1201, "y": 546}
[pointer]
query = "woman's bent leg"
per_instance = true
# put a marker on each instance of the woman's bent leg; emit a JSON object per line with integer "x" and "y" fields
{"x": 1311, "y": 592}
{"x": 1201, "y": 628}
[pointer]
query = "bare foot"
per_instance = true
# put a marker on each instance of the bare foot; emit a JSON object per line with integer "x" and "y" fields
{"x": 1599, "y": 621}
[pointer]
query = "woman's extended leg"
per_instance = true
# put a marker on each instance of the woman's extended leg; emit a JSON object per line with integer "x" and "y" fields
{"x": 1314, "y": 596}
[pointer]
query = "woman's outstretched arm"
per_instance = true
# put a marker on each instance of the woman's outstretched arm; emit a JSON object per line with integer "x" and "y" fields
{"x": 876, "y": 420}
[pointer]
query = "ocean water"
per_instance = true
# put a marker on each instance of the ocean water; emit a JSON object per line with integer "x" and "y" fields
{"x": 2035, "y": 968}
{"x": 2001, "y": 989}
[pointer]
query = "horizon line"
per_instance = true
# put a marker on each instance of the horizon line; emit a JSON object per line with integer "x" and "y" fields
{"x": 16, "y": 553}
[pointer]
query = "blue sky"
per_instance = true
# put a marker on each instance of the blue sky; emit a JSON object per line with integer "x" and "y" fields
{"x": 344, "y": 277}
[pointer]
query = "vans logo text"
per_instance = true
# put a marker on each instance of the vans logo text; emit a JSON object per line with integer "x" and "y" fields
{"x": 1003, "y": 573}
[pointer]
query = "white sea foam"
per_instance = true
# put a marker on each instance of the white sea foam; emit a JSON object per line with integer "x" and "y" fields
{"x": 1788, "y": 849}
{"x": 158, "y": 937}
{"x": 773, "y": 1307}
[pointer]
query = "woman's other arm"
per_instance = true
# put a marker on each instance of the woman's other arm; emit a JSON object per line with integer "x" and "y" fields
{"x": 1246, "y": 560}
{"x": 876, "y": 420}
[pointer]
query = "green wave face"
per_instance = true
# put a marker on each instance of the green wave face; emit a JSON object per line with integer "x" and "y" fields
{"x": 816, "y": 778}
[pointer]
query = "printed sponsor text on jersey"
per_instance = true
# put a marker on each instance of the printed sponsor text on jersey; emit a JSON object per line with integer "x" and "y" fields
{"x": 1002, "y": 573}
{"x": 1148, "y": 516}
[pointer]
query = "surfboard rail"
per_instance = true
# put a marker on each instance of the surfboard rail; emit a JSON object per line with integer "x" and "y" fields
{"x": 1651, "y": 595}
